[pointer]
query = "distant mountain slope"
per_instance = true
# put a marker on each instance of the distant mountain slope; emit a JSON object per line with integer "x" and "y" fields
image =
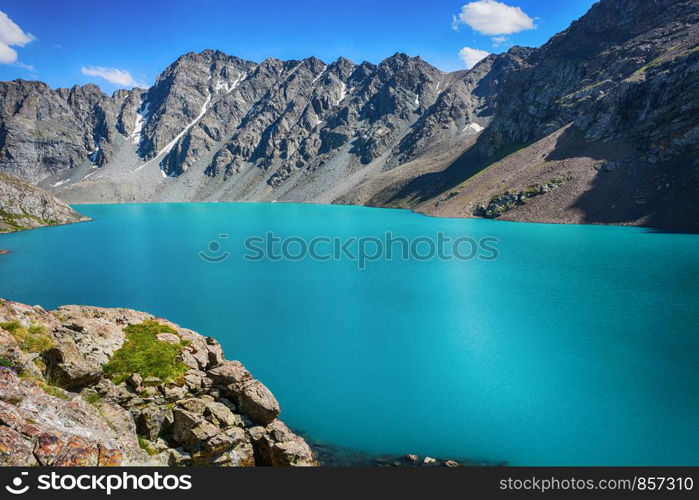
{"x": 613, "y": 103}
{"x": 23, "y": 206}
{"x": 618, "y": 90}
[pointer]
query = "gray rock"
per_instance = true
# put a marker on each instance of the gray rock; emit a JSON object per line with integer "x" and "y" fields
{"x": 178, "y": 457}
{"x": 191, "y": 430}
{"x": 152, "y": 421}
{"x": 276, "y": 445}
{"x": 61, "y": 431}
{"x": 219, "y": 414}
{"x": 135, "y": 381}
{"x": 152, "y": 382}
{"x": 250, "y": 396}
{"x": 193, "y": 405}
{"x": 174, "y": 392}
{"x": 69, "y": 368}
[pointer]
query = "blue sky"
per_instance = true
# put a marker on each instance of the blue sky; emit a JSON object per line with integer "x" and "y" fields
{"x": 75, "y": 41}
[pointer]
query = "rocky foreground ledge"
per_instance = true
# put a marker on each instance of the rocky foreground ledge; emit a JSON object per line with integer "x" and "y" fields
{"x": 69, "y": 394}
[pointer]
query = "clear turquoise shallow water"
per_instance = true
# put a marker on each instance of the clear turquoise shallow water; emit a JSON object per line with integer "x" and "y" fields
{"x": 578, "y": 346}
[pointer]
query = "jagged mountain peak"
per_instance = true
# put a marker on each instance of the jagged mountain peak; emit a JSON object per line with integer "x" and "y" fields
{"x": 28, "y": 84}
{"x": 218, "y": 127}
{"x": 614, "y": 23}
{"x": 343, "y": 62}
{"x": 397, "y": 58}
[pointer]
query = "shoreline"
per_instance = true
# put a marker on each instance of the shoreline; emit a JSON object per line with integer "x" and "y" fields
{"x": 213, "y": 389}
{"x": 657, "y": 229}
{"x": 330, "y": 455}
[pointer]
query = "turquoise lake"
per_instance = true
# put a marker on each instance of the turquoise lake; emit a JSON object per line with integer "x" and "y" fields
{"x": 579, "y": 345}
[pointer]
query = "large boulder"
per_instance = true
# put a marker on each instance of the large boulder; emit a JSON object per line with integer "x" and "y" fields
{"x": 15, "y": 449}
{"x": 67, "y": 366}
{"x": 96, "y": 331}
{"x": 276, "y": 445}
{"x": 251, "y": 396}
{"x": 191, "y": 430}
{"x": 221, "y": 415}
{"x": 230, "y": 448}
{"x": 61, "y": 428}
{"x": 152, "y": 421}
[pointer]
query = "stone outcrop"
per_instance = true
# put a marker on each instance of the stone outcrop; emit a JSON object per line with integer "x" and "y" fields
{"x": 505, "y": 202}
{"x": 58, "y": 405}
{"x": 23, "y": 206}
{"x": 625, "y": 70}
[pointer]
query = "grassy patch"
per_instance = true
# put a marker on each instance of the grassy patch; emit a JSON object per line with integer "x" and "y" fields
{"x": 8, "y": 363}
{"x": 657, "y": 61}
{"x": 11, "y": 326}
{"x": 93, "y": 398}
{"x": 54, "y": 391}
{"x": 531, "y": 190}
{"x": 40, "y": 364}
{"x": 21, "y": 222}
{"x": 557, "y": 180}
{"x": 36, "y": 338}
{"x": 143, "y": 353}
{"x": 588, "y": 88}
{"x": 146, "y": 446}
{"x": 12, "y": 220}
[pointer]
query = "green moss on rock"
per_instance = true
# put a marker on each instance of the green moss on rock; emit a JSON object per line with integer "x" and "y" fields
{"x": 34, "y": 339}
{"x": 144, "y": 354}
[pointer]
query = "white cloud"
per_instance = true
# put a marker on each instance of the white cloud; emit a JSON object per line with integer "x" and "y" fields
{"x": 7, "y": 54}
{"x": 471, "y": 56}
{"x": 498, "y": 41}
{"x": 490, "y": 17}
{"x": 116, "y": 76}
{"x": 28, "y": 67}
{"x": 11, "y": 35}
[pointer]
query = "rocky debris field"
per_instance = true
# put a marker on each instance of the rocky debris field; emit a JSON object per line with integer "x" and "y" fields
{"x": 505, "y": 202}
{"x": 68, "y": 395}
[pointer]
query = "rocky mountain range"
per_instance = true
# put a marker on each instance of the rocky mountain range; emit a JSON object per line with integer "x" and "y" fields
{"x": 599, "y": 125}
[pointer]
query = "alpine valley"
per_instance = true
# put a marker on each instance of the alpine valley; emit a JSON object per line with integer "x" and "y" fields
{"x": 600, "y": 125}
{"x": 581, "y": 333}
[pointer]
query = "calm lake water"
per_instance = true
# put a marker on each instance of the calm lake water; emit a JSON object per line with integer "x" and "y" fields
{"x": 579, "y": 345}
